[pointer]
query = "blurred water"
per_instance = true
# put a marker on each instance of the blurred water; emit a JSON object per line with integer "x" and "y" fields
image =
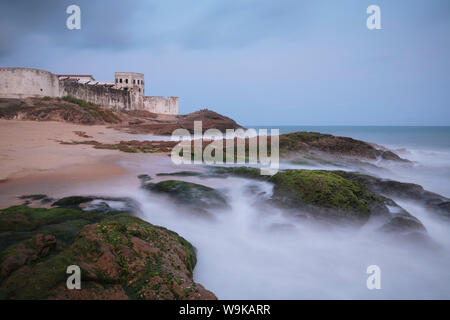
{"x": 249, "y": 252}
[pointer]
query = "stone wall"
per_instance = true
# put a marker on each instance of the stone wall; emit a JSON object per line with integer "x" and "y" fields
{"x": 134, "y": 83}
{"x": 125, "y": 94}
{"x": 25, "y": 82}
{"x": 161, "y": 105}
{"x": 104, "y": 96}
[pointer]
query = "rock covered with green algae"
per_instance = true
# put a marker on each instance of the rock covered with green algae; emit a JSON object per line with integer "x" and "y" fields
{"x": 98, "y": 203}
{"x": 191, "y": 196}
{"x": 236, "y": 171}
{"x": 120, "y": 256}
{"x": 409, "y": 191}
{"x": 333, "y": 195}
{"x": 332, "y": 145}
{"x": 338, "y": 195}
{"x": 324, "y": 194}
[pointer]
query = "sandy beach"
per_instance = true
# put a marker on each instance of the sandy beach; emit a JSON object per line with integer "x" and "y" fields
{"x": 33, "y": 160}
{"x": 30, "y": 155}
{"x": 29, "y": 147}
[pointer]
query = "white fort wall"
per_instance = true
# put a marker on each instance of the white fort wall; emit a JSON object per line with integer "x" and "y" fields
{"x": 127, "y": 91}
{"x": 26, "y": 82}
{"x": 104, "y": 96}
{"x": 162, "y": 105}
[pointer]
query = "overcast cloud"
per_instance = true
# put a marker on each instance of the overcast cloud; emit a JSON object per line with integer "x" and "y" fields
{"x": 258, "y": 61}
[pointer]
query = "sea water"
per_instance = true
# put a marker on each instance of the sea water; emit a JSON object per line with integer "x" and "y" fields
{"x": 253, "y": 252}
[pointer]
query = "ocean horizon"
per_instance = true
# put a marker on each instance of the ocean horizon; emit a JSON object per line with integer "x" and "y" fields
{"x": 423, "y": 137}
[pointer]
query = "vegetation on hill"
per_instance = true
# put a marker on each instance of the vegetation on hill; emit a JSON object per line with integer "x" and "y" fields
{"x": 97, "y": 112}
{"x": 67, "y": 109}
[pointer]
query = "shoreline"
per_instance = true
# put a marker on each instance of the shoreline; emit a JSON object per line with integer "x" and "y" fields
{"x": 27, "y": 147}
{"x": 33, "y": 161}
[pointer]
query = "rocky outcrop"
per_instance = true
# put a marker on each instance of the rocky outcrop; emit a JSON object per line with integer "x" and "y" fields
{"x": 27, "y": 252}
{"x": 331, "y": 196}
{"x": 324, "y": 195}
{"x": 120, "y": 256}
{"x": 306, "y": 142}
{"x": 311, "y": 147}
{"x": 97, "y": 203}
{"x": 132, "y": 146}
{"x": 192, "y": 197}
{"x": 401, "y": 223}
{"x": 241, "y": 171}
{"x": 401, "y": 190}
{"x": 166, "y": 124}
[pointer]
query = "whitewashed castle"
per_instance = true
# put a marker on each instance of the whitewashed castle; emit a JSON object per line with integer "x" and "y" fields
{"x": 126, "y": 92}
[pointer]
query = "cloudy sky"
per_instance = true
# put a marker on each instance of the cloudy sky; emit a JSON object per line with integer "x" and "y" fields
{"x": 261, "y": 62}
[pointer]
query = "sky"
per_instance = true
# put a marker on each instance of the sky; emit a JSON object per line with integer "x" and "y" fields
{"x": 260, "y": 62}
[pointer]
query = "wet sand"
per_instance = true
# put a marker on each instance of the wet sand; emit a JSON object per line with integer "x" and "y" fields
{"x": 28, "y": 147}
{"x": 32, "y": 161}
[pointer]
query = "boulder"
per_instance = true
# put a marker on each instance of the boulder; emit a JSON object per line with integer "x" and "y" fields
{"x": 332, "y": 145}
{"x": 98, "y": 203}
{"x": 120, "y": 256}
{"x": 324, "y": 194}
{"x": 191, "y": 196}
{"x": 408, "y": 191}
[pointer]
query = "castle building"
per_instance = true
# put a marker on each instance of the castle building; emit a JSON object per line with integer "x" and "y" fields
{"x": 127, "y": 92}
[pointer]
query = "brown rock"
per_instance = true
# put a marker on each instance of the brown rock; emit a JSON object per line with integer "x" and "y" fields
{"x": 28, "y": 251}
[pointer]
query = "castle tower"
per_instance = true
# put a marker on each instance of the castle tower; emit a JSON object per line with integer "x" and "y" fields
{"x": 133, "y": 82}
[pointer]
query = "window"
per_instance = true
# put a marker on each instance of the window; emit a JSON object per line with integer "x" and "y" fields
{"x": 126, "y": 80}
{"x": 117, "y": 80}
{"x": 120, "y": 80}
{"x": 139, "y": 81}
{"x": 134, "y": 81}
